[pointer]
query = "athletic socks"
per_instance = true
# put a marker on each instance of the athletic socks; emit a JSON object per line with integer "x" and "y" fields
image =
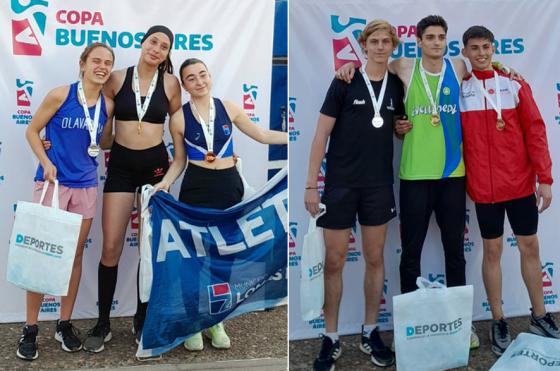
{"x": 333, "y": 336}
{"x": 367, "y": 329}
{"x": 107, "y": 281}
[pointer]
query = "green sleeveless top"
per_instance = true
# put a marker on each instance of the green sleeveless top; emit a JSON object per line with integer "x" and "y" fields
{"x": 433, "y": 152}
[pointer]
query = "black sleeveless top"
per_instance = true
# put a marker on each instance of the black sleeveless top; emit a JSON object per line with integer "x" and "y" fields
{"x": 125, "y": 102}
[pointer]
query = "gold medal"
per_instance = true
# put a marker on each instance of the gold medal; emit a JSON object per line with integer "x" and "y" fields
{"x": 435, "y": 119}
{"x": 210, "y": 157}
{"x": 500, "y": 124}
{"x": 139, "y": 127}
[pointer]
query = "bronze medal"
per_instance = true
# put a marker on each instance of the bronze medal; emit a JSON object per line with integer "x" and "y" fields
{"x": 500, "y": 124}
{"x": 435, "y": 119}
{"x": 210, "y": 157}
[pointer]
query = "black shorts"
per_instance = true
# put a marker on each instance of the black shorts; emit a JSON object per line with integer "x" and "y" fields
{"x": 129, "y": 169}
{"x": 522, "y": 214}
{"x": 374, "y": 206}
{"x": 216, "y": 189}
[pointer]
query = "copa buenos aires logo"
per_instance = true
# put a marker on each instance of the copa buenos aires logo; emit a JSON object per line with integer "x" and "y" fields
{"x": 346, "y": 33}
{"x": 291, "y": 120}
{"x": 23, "y": 95}
{"x": 250, "y": 92}
{"x": 294, "y": 258}
{"x": 28, "y": 26}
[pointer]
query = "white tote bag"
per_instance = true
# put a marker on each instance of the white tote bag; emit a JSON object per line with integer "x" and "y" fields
{"x": 432, "y": 326}
{"x": 530, "y": 352}
{"x": 312, "y": 266}
{"x": 146, "y": 273}
{"x": 43, "y": 246}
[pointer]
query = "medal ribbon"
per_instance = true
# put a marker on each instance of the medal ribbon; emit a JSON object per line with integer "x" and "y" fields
{"x": 141, "y": 109}
{"x": 496, "y": 106}
{"x": 375, "y": 102}
{"x": 92, "y": 125}
{"x": 427, "y": 87}
{"x": 208, "y": 130}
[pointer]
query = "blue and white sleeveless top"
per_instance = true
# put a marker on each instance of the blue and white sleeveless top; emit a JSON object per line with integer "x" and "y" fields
{"x": 195, "y": 144}
{"x": 68, "y": 132}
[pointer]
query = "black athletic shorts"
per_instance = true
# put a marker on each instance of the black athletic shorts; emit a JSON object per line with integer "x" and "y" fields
{"x": 129, "y": 169}
{"x": 522, "y": 214}
{"x": 374, "y": 206}
{"x": 216, "y": 189}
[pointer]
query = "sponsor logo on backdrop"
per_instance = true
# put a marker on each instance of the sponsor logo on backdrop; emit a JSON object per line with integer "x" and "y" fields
{"x": 486, "y": 305}
{"x": 346, "y": 48}
{"x": 353, "y": 254}
{"x": 346, "y": 32}
{"x": 24, "y": 91}
{"x": 468, "y": 244}
{"x": 511, "y": 240}
{"x": 384, "y": 314}
{"x": 132, "y": 239}
{"x": 50, "y": 304}
{"x": 423, "y": 330}
{"x": 321, "y": 177}
{"x": 88, "y": 242}
{"x": 294, "y": 134}
{"x": 436, "y": 277}
{"x": 170, "y": 151}
{"x": 293, "y": 257}
{"x": 82, "y": 27}
{"x": 28, "y": 26}
{"x": 317, "y": 323}
{"x": 114, "y": 305}
{"x": 557, "y": 118}
{"x": 219, "y": 298}
{"x": 550, "y": 296}
{"x": 249, "y": 101}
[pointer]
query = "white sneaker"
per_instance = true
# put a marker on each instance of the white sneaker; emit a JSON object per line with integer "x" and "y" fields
{"x": 220, "y": 339}
{"x": 194, "y": 343}
{"x": 475, "y": 342}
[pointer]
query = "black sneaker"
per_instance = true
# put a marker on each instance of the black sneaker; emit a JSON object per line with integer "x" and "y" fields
{"x": 137, "y": 326}
{"x": 27, "y": 345}
{"x": 328, "y": 355}
{"x": 97, "y": 337}
{"x": 67, "y": 335}
{"x": 545, "y": 326}
{"x": 500, "y": 338}
{"x": 380, "y": 355}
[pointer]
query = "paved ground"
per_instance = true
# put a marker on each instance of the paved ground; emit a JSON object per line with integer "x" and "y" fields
{"x": 303, "y": 352}
{"x": 258, "y": 343}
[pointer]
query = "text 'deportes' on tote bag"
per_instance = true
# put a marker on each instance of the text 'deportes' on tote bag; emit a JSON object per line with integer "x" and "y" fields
{"x": 530, "y": 352}
{"x": 312, "y": 267}
{"x": 43, "y": 246}
{"x": 432, "y": 326}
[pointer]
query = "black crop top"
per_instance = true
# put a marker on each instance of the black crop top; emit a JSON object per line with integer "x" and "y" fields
{"x": 125, "y": 102}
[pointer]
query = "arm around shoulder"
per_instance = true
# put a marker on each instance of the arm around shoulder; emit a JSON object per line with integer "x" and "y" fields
{"x": 173, "y": 92}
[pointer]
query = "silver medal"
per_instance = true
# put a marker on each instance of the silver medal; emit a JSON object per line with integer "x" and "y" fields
{"x": 93, "y": 150}
{"x": 377, "y": 121}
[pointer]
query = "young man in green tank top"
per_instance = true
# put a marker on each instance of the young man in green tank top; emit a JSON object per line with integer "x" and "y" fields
{"x": 432, "y": 171}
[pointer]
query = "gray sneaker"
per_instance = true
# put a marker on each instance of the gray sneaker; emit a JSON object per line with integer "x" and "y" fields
{"x": 544, "y": 326}
{"x": 500, "y": 337}
{"x": 97, "y": 337}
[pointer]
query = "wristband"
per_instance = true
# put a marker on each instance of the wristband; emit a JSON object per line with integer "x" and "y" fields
{"x": 311, "y": 188}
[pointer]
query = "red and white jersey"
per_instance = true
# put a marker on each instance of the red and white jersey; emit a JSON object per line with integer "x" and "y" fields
{"x": 502, "y": 165}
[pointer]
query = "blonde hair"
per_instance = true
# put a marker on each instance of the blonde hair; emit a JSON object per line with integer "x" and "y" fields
{"x": 379, "y": 25}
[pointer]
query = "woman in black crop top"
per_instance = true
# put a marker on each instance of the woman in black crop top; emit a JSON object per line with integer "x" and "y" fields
{"x": 144, "y": 94}
{"x": 211, "y": 179}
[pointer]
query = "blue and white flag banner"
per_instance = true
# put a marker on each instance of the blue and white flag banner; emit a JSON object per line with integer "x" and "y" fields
{"x": 211, "y": 265}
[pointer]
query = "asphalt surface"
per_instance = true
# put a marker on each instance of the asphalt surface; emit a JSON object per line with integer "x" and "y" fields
{"x": 303, "y": 352}
{"x": 258, "y": 343}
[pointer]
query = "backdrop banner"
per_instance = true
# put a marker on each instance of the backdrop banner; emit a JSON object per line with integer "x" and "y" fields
{"x": 42, "y": 44}
{"x": 323, "y": 36}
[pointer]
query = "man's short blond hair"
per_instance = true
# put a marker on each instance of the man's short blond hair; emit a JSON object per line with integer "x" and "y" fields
{"x": 379, "y": 25}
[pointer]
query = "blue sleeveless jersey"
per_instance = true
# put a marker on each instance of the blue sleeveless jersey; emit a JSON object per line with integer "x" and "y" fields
{"x": 195, "y": 144}
{"x": 68, "y": 132}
